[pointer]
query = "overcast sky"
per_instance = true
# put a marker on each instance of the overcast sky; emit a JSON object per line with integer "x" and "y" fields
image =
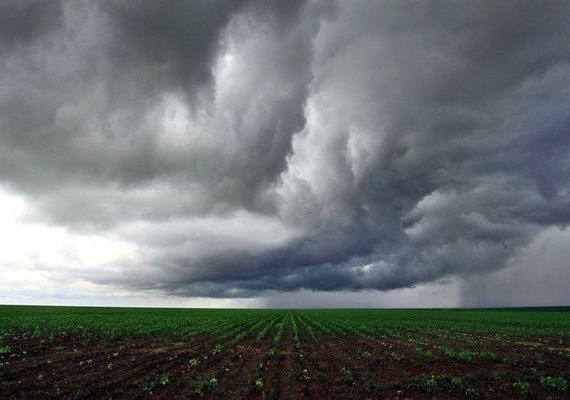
{"x": 285, "y": 153}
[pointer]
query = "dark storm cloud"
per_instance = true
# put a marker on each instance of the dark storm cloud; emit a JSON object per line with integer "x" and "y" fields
{"x": 84, "y": 107}
{"x": 22, "y": 21}
{"x": 179, "y": 37}
{"x": 248, "y": 146}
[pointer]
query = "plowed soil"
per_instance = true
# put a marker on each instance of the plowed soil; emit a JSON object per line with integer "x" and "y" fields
{"x": 330, "y": 366}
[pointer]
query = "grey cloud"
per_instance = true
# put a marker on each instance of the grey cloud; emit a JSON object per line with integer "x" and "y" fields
{"x": 21, "y": 22}
{"x": 388, "y": 143}
{"x": 89, "y": 115}
{"x": 172, "y": 46}
{"x": 542, "y": 269}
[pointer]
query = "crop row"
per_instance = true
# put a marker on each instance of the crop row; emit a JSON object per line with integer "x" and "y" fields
{"x": 239, "y": 324}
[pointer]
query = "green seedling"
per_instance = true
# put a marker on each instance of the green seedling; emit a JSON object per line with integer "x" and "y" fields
{"x": 217, "y": 349}
{"x": 522, "y": 386}
{"x": 556, "y": 383}
{"x": 193, "y": 362}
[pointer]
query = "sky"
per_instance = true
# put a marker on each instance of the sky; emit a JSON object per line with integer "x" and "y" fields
{"x": 253, "y": 153}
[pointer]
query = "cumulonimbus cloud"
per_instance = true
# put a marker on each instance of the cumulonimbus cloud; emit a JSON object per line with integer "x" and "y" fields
{"x": 250, "y": 146}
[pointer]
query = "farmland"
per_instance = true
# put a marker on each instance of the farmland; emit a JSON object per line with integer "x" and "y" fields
{"x": 83, "y": 352}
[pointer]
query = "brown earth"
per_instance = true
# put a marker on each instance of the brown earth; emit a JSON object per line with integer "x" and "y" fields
{"x": 336, "y": 366}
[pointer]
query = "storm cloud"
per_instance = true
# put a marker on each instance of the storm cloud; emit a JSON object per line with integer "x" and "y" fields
{"x": 235, "y": 148}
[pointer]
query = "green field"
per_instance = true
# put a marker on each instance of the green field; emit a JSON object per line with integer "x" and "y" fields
{"x": 51, "y": 352}
{"x": 175, "y": 321}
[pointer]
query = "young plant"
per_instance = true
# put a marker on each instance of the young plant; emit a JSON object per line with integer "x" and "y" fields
{"x": 217, "y": 349}
{"x": 522, "y": 386}
{"x": 346, "y": 374}
{"x": 556, "y": 383}
{"x": 148, "y": 386}
{"x": 426, "y": 354}
{"x": 164, "y": 379}
{"x": 193, "y": 362}
{"x": 202, "y": 386}
{"x": 466, "y": 355}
